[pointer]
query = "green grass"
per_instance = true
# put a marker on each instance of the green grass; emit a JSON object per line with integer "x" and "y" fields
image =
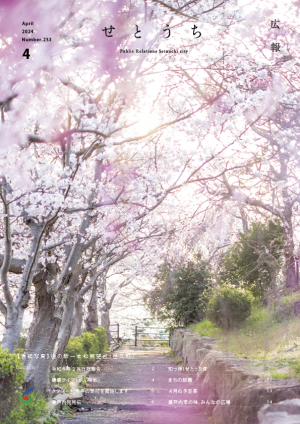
{"x": 295, "y": 365}
{"x": 66, "y": 411}
{"x": 52, "y": 419}
{"x": 269, "y": 335}
{"x": 66, "y": 375}
{"x": 156, "y": 343}
{"x": 291, "y": 297}
{"x": 163, "y": 344}
{"x": 279, "y": 375}
{"x": 262, "y": 337}
{"x": 205, "y": 328}
{"x": 83, "y": 382}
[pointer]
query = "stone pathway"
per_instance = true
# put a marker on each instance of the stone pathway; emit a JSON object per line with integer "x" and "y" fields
{"x": 139, "y": 390}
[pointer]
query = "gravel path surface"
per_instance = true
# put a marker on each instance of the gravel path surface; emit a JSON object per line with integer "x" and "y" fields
{"x": 139, "y": 389}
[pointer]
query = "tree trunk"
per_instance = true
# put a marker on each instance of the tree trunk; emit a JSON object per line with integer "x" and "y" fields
{"x": 91, "y": 321}
{"x": 66, "y": 323}
{"x": 290, "y": 263}
{"x": 13, "y": 324}
{"x": 13, "y": 320}
{"x": 65, "y": 329}
{"x": 244, "y": 219}
{"x": 77, "y": 318}
{"x": 78, "y": 312}
{"x": 41, "y": 340}
{"x": 105, "y": 322}
{"x": 15, "y": 309}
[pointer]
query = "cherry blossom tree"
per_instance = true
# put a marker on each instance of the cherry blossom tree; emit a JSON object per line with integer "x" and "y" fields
{"x": 81, "y": 161}
{"x": 255, "y": 95}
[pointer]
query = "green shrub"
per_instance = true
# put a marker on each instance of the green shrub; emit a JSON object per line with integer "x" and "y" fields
{"x": 180, "y": 293}
{"x": 52, "y": 419}
{"x": 35, "y": 409}
{"x": 284, "y": 312}
{"x": 255, "y": 260}
{"x": 83, "y": 381}
{"x": 90, "y": 345}
{"x": 19, "y": 352}
{"x": 101, "y": 336}
{"x": 205, "y": 328}
{"x": 86, "y": 344}
{"x": 74, "y": 348}
{"x": 229, "y": 307}
{"x": 11, "y": 377}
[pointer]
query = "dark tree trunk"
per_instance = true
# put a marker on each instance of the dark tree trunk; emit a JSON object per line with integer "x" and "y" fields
{"x": 105, "y": 308}
{"x": 14, "y": 318}
{"x": 77, "y": 318}
{"x": 65, "y": 329}
{"x": 41, "y": 339}
{"x": 66, "y": 323}
{"x": 91, "y": 321}
{"x": 105, "y": 323}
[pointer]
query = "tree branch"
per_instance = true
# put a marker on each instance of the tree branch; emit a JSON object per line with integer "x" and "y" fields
{"x": 243, "y": 198}
{"x": 8, "y": 246}
{"x": 16, "y": 265}
{"x": 3, "y": 308}
{"x": 95, "y": 205}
